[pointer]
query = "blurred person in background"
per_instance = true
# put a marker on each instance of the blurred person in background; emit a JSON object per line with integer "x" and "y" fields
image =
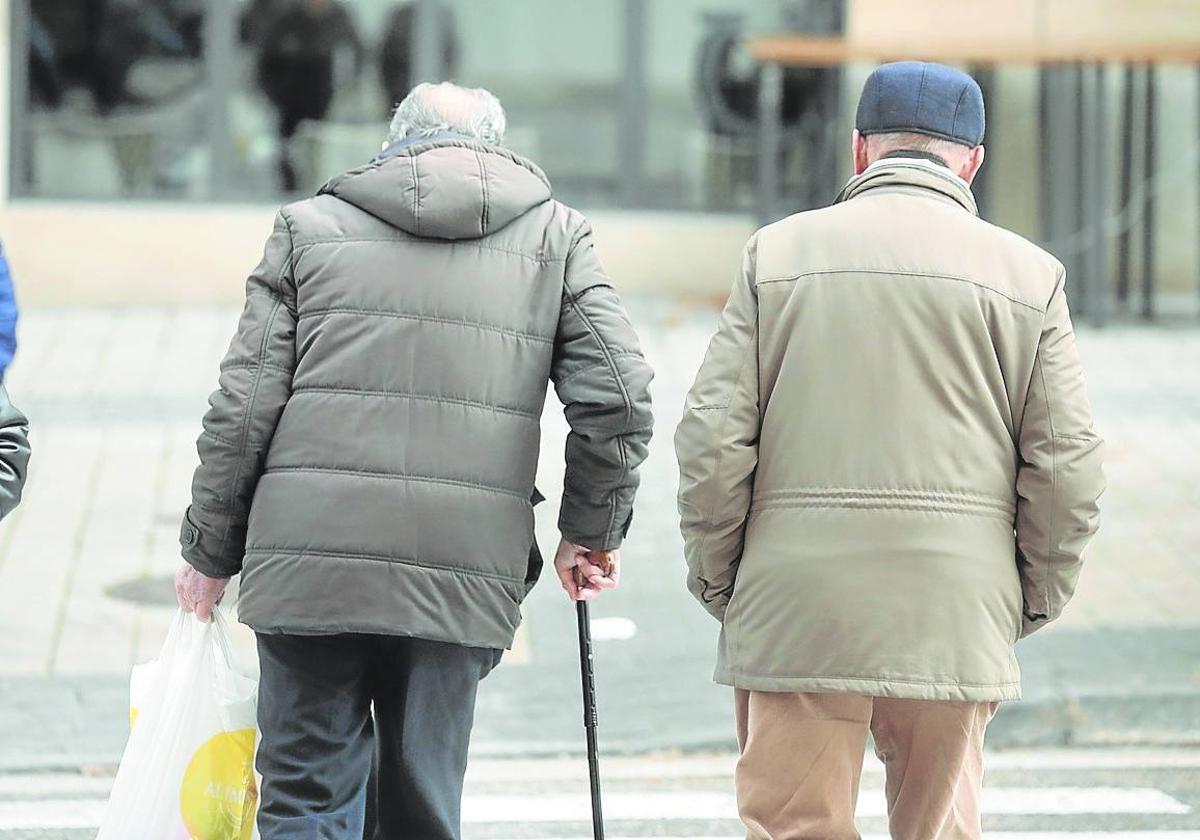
{"x": 395, "y": 53}
{"x": 45, "y": 74}
{"x": 14, "y": 427}
{"x": 120, "y": 73}
{"x": 95, "y": 45}
{"x": 257, "y": 17}
{"x": 296, "y": 67}
{"x": 368, "y": 462}
{"x": 888, "y": 474}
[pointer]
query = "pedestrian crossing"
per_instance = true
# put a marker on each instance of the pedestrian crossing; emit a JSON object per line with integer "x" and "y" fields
{"x": 990, "y": 835}
{"x": 1038, "y": 796}
{"x": 1062, "y": 801}
{"x": 55, "y": 812}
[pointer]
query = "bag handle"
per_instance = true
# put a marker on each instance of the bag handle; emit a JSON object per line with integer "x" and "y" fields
{"x": 220, "y": 631}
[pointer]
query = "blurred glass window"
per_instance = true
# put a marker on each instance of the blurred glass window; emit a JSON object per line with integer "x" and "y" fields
{"x": 625, "y": 103}
{"x": 556, "y": 67}
{"x": 111, "y": 99}
{"x": 703, "y": 104}
{"x": 318, "y": 79}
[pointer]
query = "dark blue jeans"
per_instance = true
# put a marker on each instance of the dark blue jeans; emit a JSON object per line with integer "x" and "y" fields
{"x": 318, "y": 738}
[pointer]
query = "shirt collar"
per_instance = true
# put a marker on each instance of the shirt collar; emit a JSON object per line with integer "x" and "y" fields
{"x": 395, "y": 148}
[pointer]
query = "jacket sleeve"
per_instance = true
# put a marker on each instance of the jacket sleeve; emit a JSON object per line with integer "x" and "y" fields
{"x": 1059, "y": 473}
{"x": 14, "y": 454}
{"x": 603, "y": 381}
{"x": 717, "y": 447}
{"x": 254, "y": 385}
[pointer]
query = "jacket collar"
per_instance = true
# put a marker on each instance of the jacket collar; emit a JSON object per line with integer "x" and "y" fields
{"x": 911, "y": 175}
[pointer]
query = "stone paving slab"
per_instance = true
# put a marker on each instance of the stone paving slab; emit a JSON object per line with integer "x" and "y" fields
{"x": 116, "y": 397}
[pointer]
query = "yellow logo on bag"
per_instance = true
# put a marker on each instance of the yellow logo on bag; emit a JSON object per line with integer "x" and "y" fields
{"x": 218, "y": 797}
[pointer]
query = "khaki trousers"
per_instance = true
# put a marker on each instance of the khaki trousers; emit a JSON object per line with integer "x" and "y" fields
{"x": 802, "y": 755}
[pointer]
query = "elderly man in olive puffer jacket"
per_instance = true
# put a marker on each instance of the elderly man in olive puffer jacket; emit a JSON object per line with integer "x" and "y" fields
{"x": 368, "y": 463}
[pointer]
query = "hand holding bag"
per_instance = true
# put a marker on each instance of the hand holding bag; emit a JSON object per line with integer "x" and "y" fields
{"x": 188, "y": 768}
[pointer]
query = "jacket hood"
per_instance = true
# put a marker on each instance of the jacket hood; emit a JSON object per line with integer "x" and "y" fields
{"x": 445, "y": 188}
{"x": 908, "y": 174}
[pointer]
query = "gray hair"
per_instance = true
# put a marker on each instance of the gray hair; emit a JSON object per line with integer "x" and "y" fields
{"x": 432, "y": 109}
{"x": 882, "y": 143}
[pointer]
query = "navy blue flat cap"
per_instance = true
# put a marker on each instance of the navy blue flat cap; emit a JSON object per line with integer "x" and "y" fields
{"x": 923, "y": 98}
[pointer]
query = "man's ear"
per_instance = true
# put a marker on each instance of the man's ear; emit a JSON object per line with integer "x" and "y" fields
{"x": 974, "y": 161}
{"x": 858, "y": 148}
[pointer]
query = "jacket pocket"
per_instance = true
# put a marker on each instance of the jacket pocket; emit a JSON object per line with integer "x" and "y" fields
{"x": 535, "y": 564}
{"x": 533, "y": 569}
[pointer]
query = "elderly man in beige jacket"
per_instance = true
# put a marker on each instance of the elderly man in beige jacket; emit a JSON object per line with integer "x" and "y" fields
{"x": 888, "y": 474}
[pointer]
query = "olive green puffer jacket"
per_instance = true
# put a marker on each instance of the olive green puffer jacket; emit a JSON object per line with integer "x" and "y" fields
{"x": 368, "y": 462}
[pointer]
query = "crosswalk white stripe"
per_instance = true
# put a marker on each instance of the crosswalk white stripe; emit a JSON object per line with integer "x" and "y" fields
{"x": 990, "y": 835}
{"x": 708, "y": 806}
{"x": 622, "y": 769}
{"x": 54, "y": 784}
{"x": 51, "y": 813}
{"x": 1115, "y": 834}
{"x": 569, "y": 808}
{"x": 618, "y": 768}
{"x": 1093, "y": 759}
{"x": 1051, "y": 801}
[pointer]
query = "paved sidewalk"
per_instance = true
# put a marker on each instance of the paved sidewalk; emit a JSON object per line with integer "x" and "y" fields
{"x": 116, "y": 398}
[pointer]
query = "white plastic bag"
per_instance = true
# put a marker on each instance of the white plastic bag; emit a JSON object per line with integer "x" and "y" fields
{"x": 188, "y": 768}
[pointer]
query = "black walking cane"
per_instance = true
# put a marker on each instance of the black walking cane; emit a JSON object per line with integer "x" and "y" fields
{"x": 589, "y": 713}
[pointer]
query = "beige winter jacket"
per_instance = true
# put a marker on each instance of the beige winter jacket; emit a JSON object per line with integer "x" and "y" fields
{"x": 888, "y": 470}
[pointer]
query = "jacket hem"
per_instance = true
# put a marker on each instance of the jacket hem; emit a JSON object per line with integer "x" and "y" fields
{"x": 269, "y": 550}
{"x": 874, "y": 687}
{"x": 298, "y": 594}
{"x": 367, "y": 628}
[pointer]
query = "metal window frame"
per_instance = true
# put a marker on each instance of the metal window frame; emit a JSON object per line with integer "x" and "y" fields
{"x": 16, "y": 169}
